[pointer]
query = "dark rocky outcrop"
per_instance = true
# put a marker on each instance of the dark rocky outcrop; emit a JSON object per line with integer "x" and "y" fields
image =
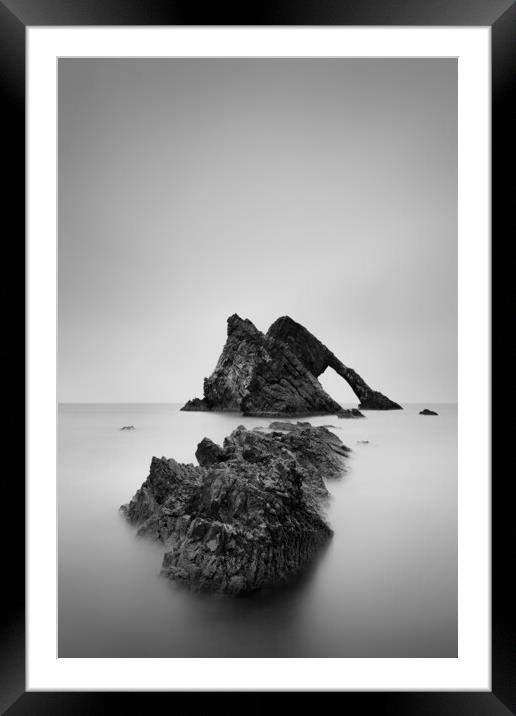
{"x": 249, "y": 515}
{"x": 128, "y": 427}
{"x": 275, "y": 374}
{"x": 426, "y": 411}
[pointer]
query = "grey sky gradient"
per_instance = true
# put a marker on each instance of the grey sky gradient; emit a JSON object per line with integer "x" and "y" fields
{"x": 191, "y": 189}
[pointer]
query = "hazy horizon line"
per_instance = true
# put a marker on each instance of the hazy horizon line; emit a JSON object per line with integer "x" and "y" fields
{"x": 179, "y": 402}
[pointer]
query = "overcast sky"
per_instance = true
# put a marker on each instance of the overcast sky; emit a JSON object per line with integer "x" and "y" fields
{"x": 191, "y": 189}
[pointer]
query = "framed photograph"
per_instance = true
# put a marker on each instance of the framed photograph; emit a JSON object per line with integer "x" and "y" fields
{"x": 259, "y": 355}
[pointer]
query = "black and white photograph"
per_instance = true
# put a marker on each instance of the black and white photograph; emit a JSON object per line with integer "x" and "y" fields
{"x": 257, "y": 357}
{"x": 259, "y": 314}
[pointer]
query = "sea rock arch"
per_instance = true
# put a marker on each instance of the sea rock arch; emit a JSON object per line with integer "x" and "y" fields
{"x": 276, "y": 373}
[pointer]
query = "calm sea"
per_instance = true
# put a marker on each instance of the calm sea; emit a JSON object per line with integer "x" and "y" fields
{"x": 386, "y": 585}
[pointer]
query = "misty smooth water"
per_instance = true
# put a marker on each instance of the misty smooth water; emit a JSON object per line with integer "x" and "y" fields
{"x": 385, "y": 586}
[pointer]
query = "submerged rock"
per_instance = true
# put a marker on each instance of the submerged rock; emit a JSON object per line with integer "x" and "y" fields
{"x": 250, "y": 515}
{"x": 351, "y": 413}
{"x": 426, "y": 411}
{"x": 275, "y": 374}
{"x": 285, "y": 425}
{"x": 128, "y": 427}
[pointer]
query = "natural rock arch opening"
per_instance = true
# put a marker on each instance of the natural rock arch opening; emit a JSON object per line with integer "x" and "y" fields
{"x": 316, "y": 358}
{"x": 333, "y": 384}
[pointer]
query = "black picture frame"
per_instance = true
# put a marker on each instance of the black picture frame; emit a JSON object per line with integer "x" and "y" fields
{"x": 15, "y": 16}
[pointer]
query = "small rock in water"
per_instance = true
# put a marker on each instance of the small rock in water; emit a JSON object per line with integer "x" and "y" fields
{"x": 352, "y": 413}
{"x": 282, "y": 425}
{"x": 426, "y": 411}
{"x": 363, "y": 442}
{"x": 285, "y": 425}
{"x": 128, "y": 427}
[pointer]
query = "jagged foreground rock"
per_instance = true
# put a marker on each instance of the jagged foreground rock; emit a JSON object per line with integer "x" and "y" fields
{"x": 249, "y": 515}
{"x": 275, "y": 374}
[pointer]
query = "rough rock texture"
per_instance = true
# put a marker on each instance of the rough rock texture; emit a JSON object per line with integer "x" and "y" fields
{"x": 249, "y": 515}
{"x": 426, "y": 411}
{"x": 276, "y": 373}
